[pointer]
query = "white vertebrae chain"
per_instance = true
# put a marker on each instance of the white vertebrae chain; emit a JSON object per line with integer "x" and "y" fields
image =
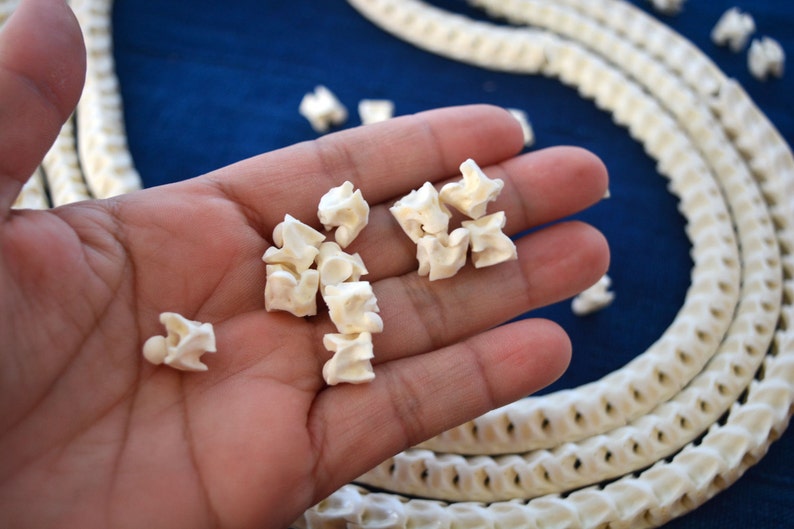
{"x": 569, "y": 63}
{"x": 688, "y": 168}
{"x": 729, "y": 167}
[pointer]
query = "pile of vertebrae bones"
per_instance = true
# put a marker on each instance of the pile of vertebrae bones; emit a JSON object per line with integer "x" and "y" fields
{"x": 292, "y": 284}
{"x": 685, "y": 418}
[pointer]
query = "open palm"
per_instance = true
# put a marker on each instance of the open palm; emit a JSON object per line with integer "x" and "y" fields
{"x": 91, "y": 435}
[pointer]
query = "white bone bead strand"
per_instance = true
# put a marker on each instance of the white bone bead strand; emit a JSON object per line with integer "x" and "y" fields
{"x": 322, "y": 109}
{"x": 344, "y": 209}
{"x": 184, "y": 344}
{"x": 473, "y": 192}
{"x": 641, "y": 499}
{"x": 105, "y": 159}
{"x": 421, "y": 213}
{"x": 489, "y": 245}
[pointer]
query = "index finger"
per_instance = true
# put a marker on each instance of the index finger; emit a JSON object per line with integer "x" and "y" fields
{"x": 384, "y": 160}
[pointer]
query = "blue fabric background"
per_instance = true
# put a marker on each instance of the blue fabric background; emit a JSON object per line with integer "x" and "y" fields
{"x": 207, "y": 83}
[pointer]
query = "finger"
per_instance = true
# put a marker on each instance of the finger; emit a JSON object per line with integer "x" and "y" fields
{"x": 384, "y": 160}
{"x": 420, "y": 315}
{"x": 42, "y": 67}
{"x": 553, "y": 184}
{"x": 540, "y": 187}
{"x": 413, "y": 399}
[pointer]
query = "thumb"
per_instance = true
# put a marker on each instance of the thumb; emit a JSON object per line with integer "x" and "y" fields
{"x": 42, "y": 69}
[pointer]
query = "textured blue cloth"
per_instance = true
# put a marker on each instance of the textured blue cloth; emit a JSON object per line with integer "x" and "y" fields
{"x": 207, "y": 83}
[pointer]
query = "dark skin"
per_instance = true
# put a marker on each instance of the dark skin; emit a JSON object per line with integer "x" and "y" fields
{"x": 91, "y": 435}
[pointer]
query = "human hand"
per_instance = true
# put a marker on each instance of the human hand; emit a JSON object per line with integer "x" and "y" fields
{"x": 91, "y": 435}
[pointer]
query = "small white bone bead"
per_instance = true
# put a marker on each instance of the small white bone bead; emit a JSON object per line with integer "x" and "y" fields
{"x": 733, "y": 29}
{"x": 473, "y": 192}
{"x": 351, "y": 360}
{"x": 292, "y": 230}
{"x": 766, "y": 57}
{"x": 375, "y": 110}
{"x": 294, "y": 293}
{"x": 489, "y": 245}
{"x": 526, "y": 126}
{"x": 353, "y": 307}
{"x": 441, "y": 256}
{"x": 322, "y": 109}
{"x": 668, "y": 7}
{"x": 343, "y": 209}
{"x": 336, "y": 266}
{"x": 420, "y": 213}
{"x": 297, "y": 245}
{"x": 594, "y": 298}
{"x": 181, "y": 349}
